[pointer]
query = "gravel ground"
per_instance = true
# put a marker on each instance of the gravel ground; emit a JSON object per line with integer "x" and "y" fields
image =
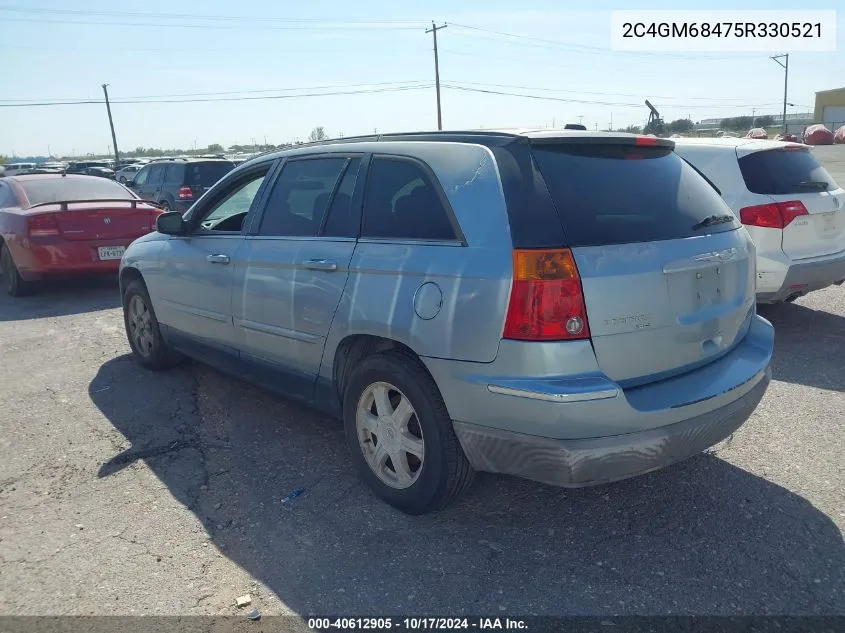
{"x": 129, "y": 492}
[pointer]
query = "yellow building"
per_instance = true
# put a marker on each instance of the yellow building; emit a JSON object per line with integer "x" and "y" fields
{"x": 830, "y": 108}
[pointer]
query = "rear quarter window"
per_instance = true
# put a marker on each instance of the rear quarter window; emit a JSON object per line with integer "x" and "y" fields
{"x": 784, "y": 171}
{"x": 619, "y": 194}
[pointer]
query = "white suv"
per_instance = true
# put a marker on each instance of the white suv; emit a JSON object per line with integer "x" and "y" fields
{"x": 788, "y": 202}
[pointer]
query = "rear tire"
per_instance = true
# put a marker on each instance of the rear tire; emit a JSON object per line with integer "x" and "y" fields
{"x": 417, "y": 486}
{"x": 143, "y": 332}
{"x": 16, "y": 285}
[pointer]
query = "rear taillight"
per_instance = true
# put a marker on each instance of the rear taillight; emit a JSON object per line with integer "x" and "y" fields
{"x": 42, "y": 225}
{"x": 547, "y": 301}
{"x": 776, "y": 215}
{"x": 185, "y": 193}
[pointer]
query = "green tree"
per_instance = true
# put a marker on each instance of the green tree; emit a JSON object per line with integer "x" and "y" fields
{"x": 318, "y": 134}
{"x": 3, "y": 159}
{"x": 215, "y": 148}
{"x": 737, "y": 123}
{"x": 765, "y": 121}
{"x": 681, "y": 125}
{"x": 631, "y": 129}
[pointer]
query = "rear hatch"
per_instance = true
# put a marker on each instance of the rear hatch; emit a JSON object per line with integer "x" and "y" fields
{"x": 789, "y": 175}
{"x": 106, "y": 220}
{"x": 665, "y": 289}
{"x": 201, "y": 176}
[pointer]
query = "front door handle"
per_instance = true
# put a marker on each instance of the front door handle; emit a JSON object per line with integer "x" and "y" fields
{"x": 217, "y": 259}
{"x": 321, "y": 264}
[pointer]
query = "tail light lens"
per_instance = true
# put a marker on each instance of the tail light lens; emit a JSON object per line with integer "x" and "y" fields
{"x": 42, "y": 225}
{"x": 776, "y": 215}
{"x": 185, "y": 193}
{"x": 547, "y": 301}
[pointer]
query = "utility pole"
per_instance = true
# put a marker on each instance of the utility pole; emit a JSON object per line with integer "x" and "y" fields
{"x": 785, "y": 65}
{"x": 753, "y": 117}
{"x": 611, "y": 121}
{"x": 433, "y": 30}
{"x": 580, "y": 119}
{"x": 111, "y": 125}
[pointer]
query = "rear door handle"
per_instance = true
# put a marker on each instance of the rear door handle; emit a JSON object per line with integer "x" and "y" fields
{"x": 217, "y": 259}
{"x": 328, "y": 265}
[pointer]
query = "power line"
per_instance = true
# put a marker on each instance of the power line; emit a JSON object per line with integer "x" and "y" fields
{"x": 604, "y": 94}
{"x": 218, "y": 99}
{"x": 537, "y": 42}
{"x": 338, "y": 27}
{"x": 191, "y": 16}
{"x": 586, "y": 101}
{"x": 235, "y": 92}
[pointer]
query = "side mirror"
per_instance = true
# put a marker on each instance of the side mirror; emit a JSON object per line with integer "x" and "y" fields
{"x": 170, "y": 223}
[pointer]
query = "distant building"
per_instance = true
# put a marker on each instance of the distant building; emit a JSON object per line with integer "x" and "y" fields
{"x": 830, "y": 108}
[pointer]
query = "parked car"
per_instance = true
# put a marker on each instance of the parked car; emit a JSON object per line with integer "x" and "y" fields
{"x": 64, "y": 226}
{"x": 127, "y": 173}
{"x": 14, "y": 169}
{"x": 790, "y": 205}
{"x": 176, "y": 183}
{"x": 570, "y": 307}
{"x": 81, "y": 167}
{"x": 102, "y": 172}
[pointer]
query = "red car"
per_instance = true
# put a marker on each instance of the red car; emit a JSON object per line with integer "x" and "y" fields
{"x": 56, "y": 225}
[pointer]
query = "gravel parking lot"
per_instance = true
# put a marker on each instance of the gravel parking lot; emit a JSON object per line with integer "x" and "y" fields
{"x": 128, "y": 492}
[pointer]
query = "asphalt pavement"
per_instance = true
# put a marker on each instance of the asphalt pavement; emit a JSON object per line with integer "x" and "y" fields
{"x": 124, "y": 491}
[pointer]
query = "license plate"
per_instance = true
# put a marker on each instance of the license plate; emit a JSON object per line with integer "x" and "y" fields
{"x": 828, "y": 220}
{"x": 111, "y": 252}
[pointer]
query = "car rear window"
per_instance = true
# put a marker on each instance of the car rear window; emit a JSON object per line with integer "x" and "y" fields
{"x": 206, "y": 174}
{"x": 784, "y": 171}
{"x": 618, "y": 194}
{"x": 43, "y": 190}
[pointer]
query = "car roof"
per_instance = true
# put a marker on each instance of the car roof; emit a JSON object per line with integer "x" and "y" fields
{"x": 748, "y": 145}
{"x": 27, "y": 177}
{"x": 489, "y": 138}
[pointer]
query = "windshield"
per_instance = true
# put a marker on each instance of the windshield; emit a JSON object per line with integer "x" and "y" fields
{"x": 43, "y": 190}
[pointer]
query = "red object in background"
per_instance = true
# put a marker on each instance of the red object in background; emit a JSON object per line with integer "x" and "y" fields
{"x": 839, "y": 135}
{"x": 818, "y": 134}
{"x": 58, "y": 225}
{"x": 757, "y": 132}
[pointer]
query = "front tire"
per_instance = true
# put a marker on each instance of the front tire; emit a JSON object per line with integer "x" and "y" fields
{"x": 16, "y": 285}
{"x": 142, "y": 329}
{"x": 400, "y": 434}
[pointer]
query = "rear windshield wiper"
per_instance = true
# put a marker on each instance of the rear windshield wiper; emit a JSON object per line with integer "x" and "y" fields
{"x": 821, "y": 185}
{"x": 711, "y": 220}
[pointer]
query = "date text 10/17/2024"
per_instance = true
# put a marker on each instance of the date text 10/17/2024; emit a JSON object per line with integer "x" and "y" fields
{"x": 417, "y": 624}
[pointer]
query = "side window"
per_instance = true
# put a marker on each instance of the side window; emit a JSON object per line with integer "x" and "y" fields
{"x": 341, "y": 221}
{"x": 230, "y": 211}
{"x": 141, "y": 177}
{"x": 300, "y": 197}
{"x": 174, "y": 173}
{"x": 156, "y": 173}
{"x": 401, "y": 202}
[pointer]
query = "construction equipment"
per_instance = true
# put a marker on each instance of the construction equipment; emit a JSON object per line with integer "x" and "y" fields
{"x": 655, "y": 122}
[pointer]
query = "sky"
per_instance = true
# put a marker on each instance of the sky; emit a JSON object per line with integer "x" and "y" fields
{"x": 185, "y": 73}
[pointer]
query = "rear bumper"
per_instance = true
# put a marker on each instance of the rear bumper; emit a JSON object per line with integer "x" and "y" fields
{"x": 801, "y": 277}
{"x": 61, "y": 258}
{"x": 588, "y": 462}
{"x": 563, "y": 422}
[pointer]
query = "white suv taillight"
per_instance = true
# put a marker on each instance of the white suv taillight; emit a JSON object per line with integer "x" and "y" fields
{"x": 776, "y": 215}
